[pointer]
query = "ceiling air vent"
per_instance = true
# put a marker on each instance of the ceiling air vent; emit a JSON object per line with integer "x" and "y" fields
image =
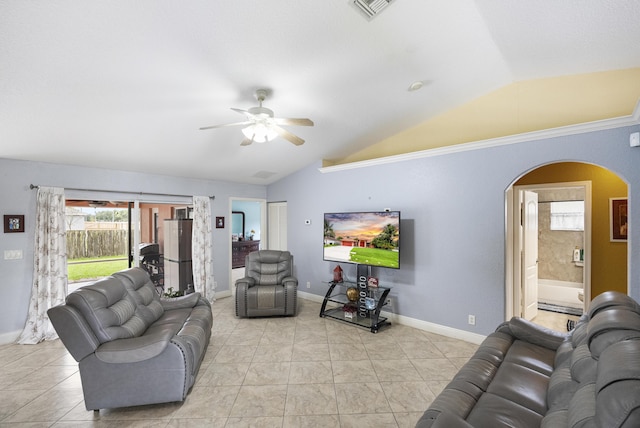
{"x": 371, "y": 8}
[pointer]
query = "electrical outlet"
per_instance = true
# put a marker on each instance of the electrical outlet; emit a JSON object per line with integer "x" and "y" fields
{"x": 308, "y": 284}
{"x": 472, "y": 320}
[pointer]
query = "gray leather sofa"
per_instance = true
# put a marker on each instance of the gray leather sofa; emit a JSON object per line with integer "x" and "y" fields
{"x": 132, "y": 347}
{"x": 268, "y": 287}
{"x": 523, "y": 375}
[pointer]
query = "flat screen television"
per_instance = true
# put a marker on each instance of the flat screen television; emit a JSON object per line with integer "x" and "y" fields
{"x": 366, "y": 238}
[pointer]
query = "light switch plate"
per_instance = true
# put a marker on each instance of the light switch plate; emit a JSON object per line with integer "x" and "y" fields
{"x": 634, "y": 139}
{"x": 12, "y": 254}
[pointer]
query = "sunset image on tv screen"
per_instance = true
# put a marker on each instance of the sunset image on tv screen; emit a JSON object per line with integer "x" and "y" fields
{"x": 369, "y": 238}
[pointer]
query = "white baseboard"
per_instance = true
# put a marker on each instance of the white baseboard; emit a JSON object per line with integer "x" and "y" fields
{"x": 415, "y": 323}
{"x": 222, "y": 294}
{"x": 11, "y": 337}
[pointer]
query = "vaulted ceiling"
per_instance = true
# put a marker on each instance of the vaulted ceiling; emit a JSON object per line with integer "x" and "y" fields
{"x": 127, "y": 85}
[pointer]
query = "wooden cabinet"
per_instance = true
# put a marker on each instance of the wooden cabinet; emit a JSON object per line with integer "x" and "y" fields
{"x": 240, "y": 249}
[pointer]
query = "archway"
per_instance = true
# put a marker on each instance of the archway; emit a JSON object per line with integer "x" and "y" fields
{"x": 605, "y": 257}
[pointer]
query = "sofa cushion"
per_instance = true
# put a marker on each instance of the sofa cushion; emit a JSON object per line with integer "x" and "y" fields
{"x": 612, "y": 326}
{"x": 108, "y": 309}
{"x": 561, "y": 388}
{"x": 535, "y": 357}
{"x": 612, "y": 299}
{"x": 498, "y": 412}
{"x": 137, "y": 282}
{"x": 582, "y": 407}
{"x": 521, "y": 385}
{"x": 268, "y": 267}
{"x": 618, "y": 385}
{"x": 583, "y": 365}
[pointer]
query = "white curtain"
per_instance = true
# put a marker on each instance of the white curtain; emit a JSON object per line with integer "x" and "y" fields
{"x": 49, "y": 287}
{"x": 201, "y": 247}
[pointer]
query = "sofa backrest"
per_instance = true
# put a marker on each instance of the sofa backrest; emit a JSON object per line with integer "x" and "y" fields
{"x": 141, "y": 289}
{"x": 617, "y": 386}
{"x": 268, "y": 267}
{"x": 108, "y": 309}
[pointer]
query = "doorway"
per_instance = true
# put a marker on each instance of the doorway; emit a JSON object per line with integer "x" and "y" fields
{"x": 551, "y": 276}
{"x": 247, "y": 233}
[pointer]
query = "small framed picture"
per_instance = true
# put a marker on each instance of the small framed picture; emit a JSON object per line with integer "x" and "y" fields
{"x": 13, "y": 223}
{"x": 219, "y": 222}
{"x": 618, "y": 219}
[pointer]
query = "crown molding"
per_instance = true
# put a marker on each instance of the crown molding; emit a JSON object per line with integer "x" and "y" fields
{"x": 562, "y": 131}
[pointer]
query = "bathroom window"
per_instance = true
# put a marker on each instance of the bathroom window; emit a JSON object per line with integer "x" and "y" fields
{"x": 567, "y": 215}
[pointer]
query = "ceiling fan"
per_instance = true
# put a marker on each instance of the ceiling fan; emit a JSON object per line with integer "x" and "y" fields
{"x": 261, "y": 126}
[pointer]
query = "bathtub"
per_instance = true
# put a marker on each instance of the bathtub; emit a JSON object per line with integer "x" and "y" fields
{"x": 560, "y": 293}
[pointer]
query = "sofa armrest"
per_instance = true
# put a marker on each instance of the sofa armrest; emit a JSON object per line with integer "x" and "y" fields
{"x": 247, "y": 282}
{"x": 290, "y": 281}
{"x": 73, "y": 330}
{"x": 135, "y": 349}
{"x": 533, "y": 333}
{"x": 181, "y": 302}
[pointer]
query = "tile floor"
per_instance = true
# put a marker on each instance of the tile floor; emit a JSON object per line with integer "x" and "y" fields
{"x": 304, "y": 371}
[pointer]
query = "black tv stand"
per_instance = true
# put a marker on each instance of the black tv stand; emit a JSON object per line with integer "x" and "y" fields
{"x": 341, "y": 305}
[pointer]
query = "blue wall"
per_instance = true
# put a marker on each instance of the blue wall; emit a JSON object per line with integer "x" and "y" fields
{"x": 453, "y": 220}
{"x": 17, "y": 198}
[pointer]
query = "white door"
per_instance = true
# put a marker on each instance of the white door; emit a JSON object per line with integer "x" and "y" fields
{"x": 530, "y": 254}
{"x": 277, "y": 226}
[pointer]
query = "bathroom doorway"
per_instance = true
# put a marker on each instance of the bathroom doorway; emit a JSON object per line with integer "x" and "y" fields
{"x": 562, "y": 240}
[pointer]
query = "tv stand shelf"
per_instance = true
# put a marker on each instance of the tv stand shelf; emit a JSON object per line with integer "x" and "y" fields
{"x": 336, "y": 298}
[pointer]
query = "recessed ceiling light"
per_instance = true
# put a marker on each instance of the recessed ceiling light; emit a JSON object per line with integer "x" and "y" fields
{"x": 416, "y": 85}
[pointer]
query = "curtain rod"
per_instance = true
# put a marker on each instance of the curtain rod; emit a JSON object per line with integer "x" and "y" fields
{"x": 37, "y": 186}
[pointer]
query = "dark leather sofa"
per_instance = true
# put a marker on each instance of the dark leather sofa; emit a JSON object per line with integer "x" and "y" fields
{"x": 133, "y": 348}
{"x": 524, "y": 375}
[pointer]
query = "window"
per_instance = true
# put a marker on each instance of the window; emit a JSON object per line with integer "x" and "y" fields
{"x": 567, "y": 215}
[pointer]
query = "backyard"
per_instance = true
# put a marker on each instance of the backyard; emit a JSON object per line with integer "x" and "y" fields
{"x": 84, "y": 269}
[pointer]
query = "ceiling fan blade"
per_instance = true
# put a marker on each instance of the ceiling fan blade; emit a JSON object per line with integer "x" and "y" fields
{"x": 292, "y": 121}
{"x": 246, "y": 142}
{"x": 227, "y": 124}
{"x": 239, "y": 110}
{"x": 288, "y": 135}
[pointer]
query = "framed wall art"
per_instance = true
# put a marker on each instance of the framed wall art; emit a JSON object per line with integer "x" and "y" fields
{"x": 13, "y": 223}
{"x": 618, "y": 220}
{"x": 219, "y": 222}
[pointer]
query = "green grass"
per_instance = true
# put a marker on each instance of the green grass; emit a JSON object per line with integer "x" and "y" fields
{"x": 374, "y": 257}
{"x": 94, "y": 267}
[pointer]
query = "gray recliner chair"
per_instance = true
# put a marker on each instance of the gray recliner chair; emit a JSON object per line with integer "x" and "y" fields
{"x": 269, "y": 287}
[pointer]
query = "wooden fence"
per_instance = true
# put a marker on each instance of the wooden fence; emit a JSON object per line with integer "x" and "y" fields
{"x": 96, "y": 243}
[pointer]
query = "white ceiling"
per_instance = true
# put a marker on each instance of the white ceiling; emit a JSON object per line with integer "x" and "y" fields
{"x": 126, "y": 84}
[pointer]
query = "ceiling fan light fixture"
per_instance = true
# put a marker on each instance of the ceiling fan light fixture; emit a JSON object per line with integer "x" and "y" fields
{"x": 259, "y": 132}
